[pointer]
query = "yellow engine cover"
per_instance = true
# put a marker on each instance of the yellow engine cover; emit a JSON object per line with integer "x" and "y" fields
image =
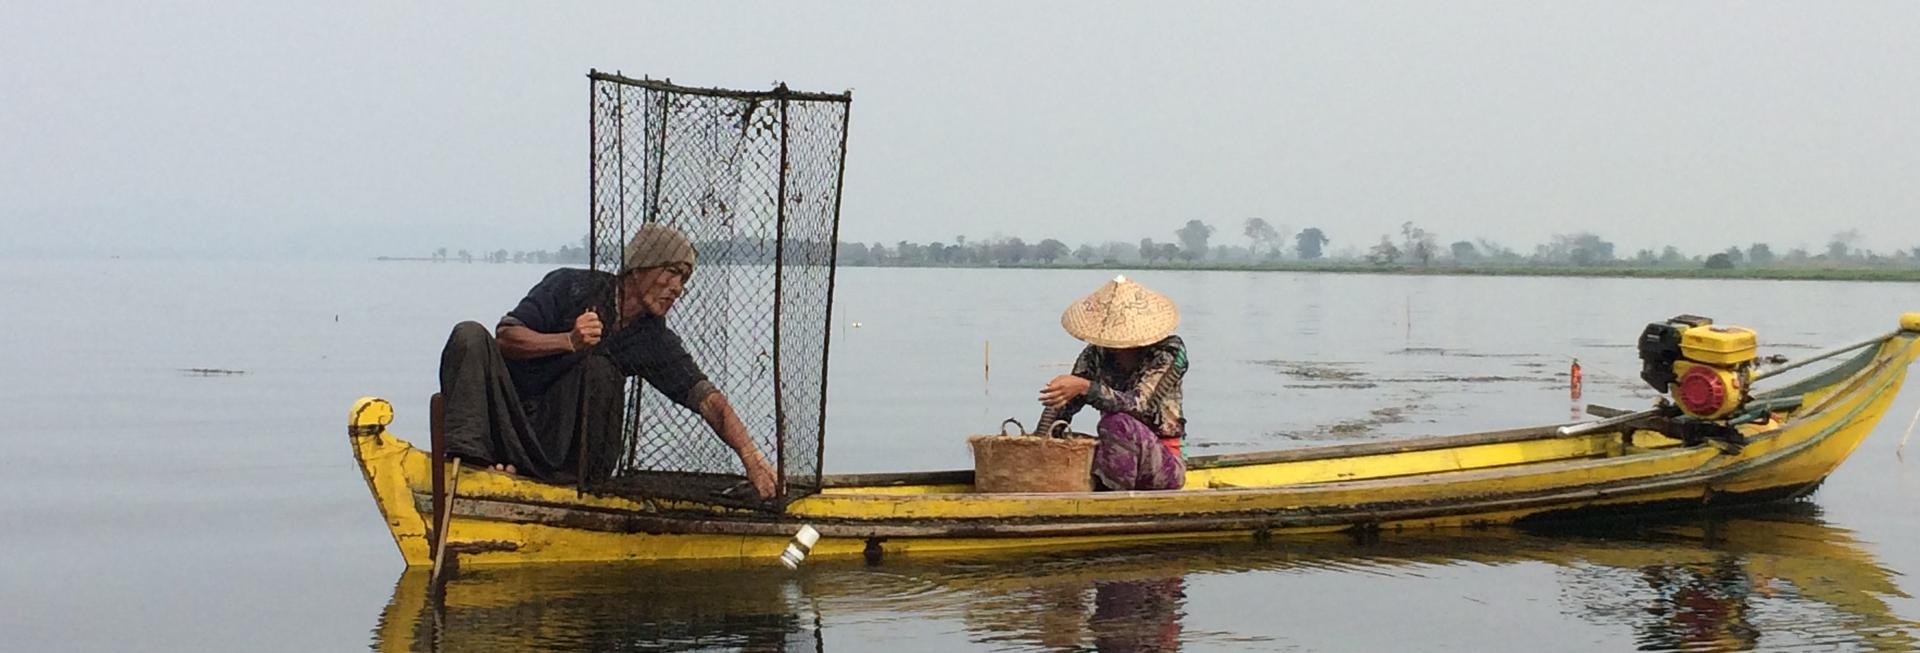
{"x": 1708, "y": 391}
{"x": 1726, "y": 346}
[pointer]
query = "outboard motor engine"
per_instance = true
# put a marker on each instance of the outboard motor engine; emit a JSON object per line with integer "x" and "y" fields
{"x": 1705, "y": 368}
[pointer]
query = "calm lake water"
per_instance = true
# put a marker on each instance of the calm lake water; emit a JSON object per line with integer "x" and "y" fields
{"x": 152, "y": 509}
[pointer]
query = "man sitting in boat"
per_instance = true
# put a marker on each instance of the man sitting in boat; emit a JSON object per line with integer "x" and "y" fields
{"x": 556, "y": 374}
{"x": 1130, "y": 372}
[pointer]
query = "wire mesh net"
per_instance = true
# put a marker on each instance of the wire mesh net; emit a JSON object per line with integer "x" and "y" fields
{"x": 753, "y": 179}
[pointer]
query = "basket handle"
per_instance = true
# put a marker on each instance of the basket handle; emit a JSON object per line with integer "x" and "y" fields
{"x": 1016, "y": 424}
{"x": 1059, "y": 429}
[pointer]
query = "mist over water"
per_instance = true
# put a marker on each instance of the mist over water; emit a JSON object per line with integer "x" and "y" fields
{"x": 151, "y": 508}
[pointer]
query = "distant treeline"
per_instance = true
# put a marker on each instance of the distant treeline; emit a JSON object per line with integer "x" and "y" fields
{"x": 566, "y": 255}
{"x": 730, "y": 250}
{"x": 1265, "y": 245}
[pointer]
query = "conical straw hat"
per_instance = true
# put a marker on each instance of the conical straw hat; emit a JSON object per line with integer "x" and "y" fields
{"x": 1121, "y": 315}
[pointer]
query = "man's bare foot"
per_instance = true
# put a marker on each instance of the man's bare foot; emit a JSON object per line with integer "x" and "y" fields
{"x": 503, "y": 468}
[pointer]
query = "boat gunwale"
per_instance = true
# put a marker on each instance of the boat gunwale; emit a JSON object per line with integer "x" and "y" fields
{"x": 1230, "y": 460}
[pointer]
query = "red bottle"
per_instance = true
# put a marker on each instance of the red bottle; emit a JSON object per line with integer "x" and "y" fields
{"x": 1574, "y": 393}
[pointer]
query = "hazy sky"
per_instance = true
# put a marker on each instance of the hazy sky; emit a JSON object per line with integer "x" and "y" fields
{"x": 347, "y": 130}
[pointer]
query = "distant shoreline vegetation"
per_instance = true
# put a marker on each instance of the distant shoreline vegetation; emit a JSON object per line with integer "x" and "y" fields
{"x": 1268, "y": 248}
{"x": 566, "y": 255}
{"x": 1451, "y": 269}
{"x": 1412, "y": 251}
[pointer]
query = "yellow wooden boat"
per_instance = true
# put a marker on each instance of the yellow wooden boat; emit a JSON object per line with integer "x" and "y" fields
{"x": 1796, "y": 435}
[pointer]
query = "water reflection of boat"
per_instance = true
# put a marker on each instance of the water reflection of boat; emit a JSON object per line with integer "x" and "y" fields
{"x": 1738, "y": 581}
{"x": 1802, "y": 432}
{"x": 595, "y": 608}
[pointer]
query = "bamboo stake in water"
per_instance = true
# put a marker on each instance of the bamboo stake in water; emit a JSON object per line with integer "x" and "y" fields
{"x": 986, "y": 369}
{"x": 1409, "y": 321}
{"x": 1903, "y": 439}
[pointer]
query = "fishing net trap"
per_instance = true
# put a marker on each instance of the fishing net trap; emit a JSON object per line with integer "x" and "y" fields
{"x": 753, "y": 179}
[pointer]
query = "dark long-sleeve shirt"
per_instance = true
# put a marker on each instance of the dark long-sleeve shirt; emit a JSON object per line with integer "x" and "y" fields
{"x": 645, "y": 347}
{"x": 1150, "y": 393}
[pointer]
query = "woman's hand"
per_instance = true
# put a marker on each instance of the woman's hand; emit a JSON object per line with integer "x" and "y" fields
{"x": 1062, "y": 389}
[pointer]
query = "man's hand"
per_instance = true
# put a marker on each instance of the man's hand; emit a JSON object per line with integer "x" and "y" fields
{"x": 760, "y": 474}
{"x": 1062, "y": 389}
{"x": 721, "y": 418}
{"x": 586, "y": 330}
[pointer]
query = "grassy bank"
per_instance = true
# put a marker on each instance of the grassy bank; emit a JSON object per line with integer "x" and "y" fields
{"x": 1626, "y": 272}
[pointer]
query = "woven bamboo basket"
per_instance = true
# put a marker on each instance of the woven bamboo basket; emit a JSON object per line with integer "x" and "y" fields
{"x": 1031, "y": 463}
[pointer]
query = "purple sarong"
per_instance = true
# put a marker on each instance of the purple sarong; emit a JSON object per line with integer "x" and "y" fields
{"x": 1131, "y": 457}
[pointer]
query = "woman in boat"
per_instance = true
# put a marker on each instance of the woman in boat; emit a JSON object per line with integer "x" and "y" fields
{"x": 1130, "y": 372}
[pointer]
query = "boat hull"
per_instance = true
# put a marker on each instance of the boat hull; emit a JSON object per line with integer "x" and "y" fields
{"x": 1450, "y": 482}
